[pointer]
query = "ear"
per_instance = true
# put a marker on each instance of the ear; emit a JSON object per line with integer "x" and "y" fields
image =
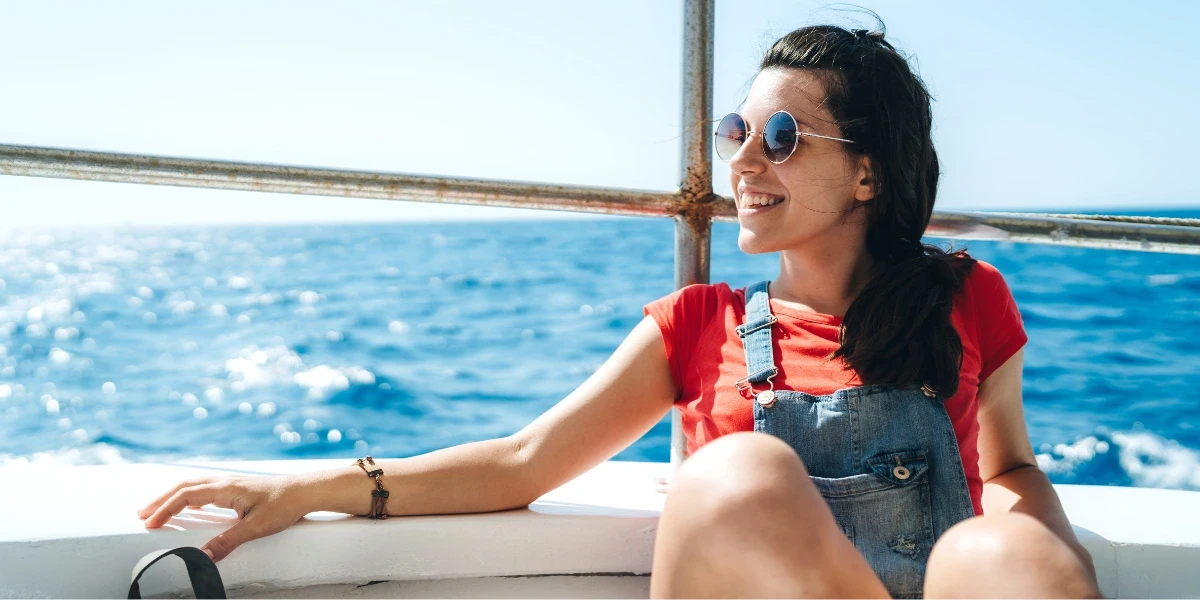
{"x": 864, "y": 181}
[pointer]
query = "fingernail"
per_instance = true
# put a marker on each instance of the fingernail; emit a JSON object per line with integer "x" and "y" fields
{"x": 208, "y": 552}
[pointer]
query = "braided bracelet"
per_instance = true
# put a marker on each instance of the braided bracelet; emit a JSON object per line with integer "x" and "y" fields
{"x": 379, "y": 495}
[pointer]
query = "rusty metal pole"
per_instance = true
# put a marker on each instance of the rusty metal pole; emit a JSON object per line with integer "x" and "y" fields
{"x": 693, "y": 225}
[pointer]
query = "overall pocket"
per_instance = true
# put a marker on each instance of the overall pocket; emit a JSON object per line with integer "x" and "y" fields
{"x": 889, "y": 512}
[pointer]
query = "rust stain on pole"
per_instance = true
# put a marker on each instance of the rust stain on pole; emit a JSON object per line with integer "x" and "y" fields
{"x": 695, "y": 197}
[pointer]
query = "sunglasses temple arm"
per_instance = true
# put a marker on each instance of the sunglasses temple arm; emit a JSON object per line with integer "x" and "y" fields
{"x": 824, "y": 137}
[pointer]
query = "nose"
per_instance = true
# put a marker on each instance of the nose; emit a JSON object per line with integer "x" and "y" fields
{"x": 749, "y": 157}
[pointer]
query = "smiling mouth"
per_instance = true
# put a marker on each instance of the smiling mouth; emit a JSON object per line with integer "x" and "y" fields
{"x": 759, "y": 201}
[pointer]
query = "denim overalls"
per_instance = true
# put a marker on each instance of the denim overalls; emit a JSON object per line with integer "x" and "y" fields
{"x": 884, "y": 458}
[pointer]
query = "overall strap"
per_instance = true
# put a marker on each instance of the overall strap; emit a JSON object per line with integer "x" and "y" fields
{"x": 756, "y": 334}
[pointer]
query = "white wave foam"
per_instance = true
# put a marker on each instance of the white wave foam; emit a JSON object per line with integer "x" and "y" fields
{"x": 254, "y": 367}
{"x": 59, "y": 357}
{"x": 1156, "y": 462}
{"x": 183, "y": 308}
{"x": 323, "y": 379}
{"x": 1146, "y": 459}
{"x": 278, "y": 365}
{"x": 1164, "y": 279}
{"x": 311, "y": 297}
{"x": 95, "y": 454}
{"x": 51, "y": 310}
{"x": 239, "y": 283}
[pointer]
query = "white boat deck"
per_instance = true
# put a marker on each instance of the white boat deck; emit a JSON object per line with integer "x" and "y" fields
{"x": 73, "y": 532}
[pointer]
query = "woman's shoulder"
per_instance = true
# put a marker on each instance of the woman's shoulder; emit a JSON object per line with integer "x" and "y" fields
{"x": 984, "y": 282}
{"x": 986, "y": 300}
{"x": 985, "y": 271}
{"x": 685, "y": 313}
{"x": 991, "y": 313}
{"x": 715, "y": 293}
{"x": 697, "y": 303}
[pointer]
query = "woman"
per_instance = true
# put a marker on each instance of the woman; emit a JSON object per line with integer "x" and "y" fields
{"x": 855, "y": 425}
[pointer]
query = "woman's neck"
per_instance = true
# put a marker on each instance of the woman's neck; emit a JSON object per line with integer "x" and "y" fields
{"x": 824, "y": 282}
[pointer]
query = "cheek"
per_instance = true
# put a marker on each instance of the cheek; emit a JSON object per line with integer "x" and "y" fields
{"x": 822, "y": 162}
{"x": 821, "y": 181}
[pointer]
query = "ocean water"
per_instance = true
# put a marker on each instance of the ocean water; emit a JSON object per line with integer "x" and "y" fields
{"x": 259, "y": 342}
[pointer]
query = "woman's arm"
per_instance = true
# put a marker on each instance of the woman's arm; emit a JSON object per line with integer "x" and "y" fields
{"x": 619, "y": 403}
{"x": 1012, "y": 481}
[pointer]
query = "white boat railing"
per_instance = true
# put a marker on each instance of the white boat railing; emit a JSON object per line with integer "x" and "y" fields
{"x": 693, "y": 205}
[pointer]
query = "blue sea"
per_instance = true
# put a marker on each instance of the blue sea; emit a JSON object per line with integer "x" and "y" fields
{"x": 323, "y": 341}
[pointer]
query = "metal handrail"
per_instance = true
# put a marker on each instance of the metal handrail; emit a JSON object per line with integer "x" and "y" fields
{"x": 693, "y": 205}
{"x": 63, "y": 163}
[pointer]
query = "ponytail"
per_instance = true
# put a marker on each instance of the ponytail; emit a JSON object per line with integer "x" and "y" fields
{"x": 898, "y": 329}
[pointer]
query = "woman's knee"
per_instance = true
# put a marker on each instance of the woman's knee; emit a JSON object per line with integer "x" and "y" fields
{"x": 993, "y": 548}
{"x": 742, "y": 459}
{"x": 991, "y": 538}
{"x": 744, "y": 449}
{"x": 745, "y": 471}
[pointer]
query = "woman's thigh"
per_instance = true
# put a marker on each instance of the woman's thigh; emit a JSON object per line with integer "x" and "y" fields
{"x": 742, "y": 518}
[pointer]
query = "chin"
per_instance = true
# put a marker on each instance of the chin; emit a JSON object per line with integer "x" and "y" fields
{"x": 750, "y": 243}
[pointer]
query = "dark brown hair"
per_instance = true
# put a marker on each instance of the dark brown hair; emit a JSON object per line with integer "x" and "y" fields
{"x": 897, "y": 331}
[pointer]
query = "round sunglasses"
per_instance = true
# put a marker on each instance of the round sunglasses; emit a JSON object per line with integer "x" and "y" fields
{"x": 780, "y": 136}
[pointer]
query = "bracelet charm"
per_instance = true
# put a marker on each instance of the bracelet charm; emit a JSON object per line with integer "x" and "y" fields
{"x": 379, "y": 495}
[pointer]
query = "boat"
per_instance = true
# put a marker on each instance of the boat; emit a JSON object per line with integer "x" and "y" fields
{"x": 78, "y": 537}
{"x": 72, "y": 531}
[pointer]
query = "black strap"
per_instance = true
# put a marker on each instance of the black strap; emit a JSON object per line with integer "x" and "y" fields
{"x": 206, "y": 579}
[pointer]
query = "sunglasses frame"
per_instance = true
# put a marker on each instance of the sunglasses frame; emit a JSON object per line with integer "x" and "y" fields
{"x": 763, "y": 138}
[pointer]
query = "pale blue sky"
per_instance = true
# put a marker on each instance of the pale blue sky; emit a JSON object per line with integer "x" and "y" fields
{"x": 1065, "y": 105}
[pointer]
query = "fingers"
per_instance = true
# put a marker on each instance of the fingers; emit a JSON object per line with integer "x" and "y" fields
{"x": 220, "y": 546}
{"x": 188, "y": 496}
{"x": 157, "y": 502}
{"x": 662, "y": 484}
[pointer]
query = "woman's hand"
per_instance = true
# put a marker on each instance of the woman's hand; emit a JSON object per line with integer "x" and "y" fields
{"x": 662, "y": 484}
{"x": 264, "y": 505}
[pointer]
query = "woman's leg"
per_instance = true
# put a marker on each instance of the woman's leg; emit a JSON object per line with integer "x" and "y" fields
{"x": 742, "y": 519}
{"x": 1005, "y": 556}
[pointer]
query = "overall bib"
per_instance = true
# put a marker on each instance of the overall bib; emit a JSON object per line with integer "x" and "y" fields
{"x": 884, "y": 458}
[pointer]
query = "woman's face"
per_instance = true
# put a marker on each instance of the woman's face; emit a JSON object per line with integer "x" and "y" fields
{"x": 819, "y": 182}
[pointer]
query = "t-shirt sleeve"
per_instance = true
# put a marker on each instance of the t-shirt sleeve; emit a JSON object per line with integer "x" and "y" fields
{"x": 681, "y": 316}
{"x": 1000, "y": 330}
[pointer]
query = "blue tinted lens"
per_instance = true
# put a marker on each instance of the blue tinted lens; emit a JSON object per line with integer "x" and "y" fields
{"x": 731, "y": 134}
{"x": 779, "y": 137}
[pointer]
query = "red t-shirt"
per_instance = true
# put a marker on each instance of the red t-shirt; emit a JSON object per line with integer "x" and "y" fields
{"x": 706, "y": 356}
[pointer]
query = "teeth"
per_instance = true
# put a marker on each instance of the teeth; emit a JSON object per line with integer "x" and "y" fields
{"x": 760, "y": 200}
